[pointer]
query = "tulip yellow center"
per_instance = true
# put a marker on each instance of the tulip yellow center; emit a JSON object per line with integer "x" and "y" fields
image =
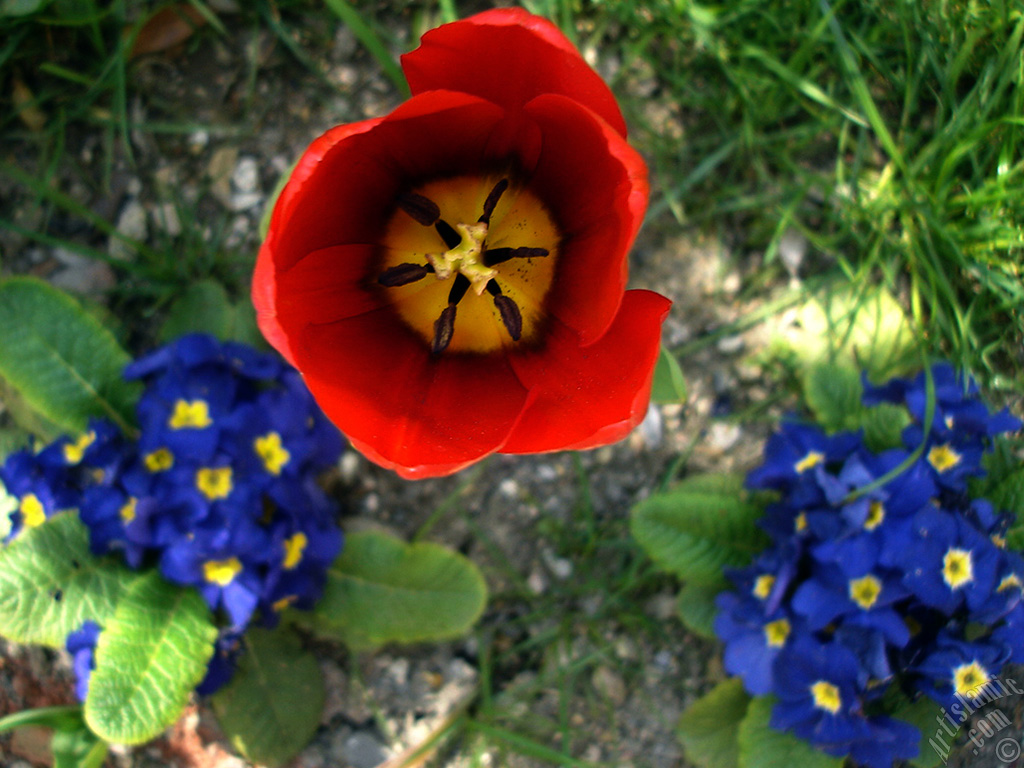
{"x": 481, "y": 233}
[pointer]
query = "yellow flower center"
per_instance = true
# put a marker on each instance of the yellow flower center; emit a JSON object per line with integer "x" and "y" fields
{"x": 943, "y": 457}
{"x": 876, "y": 514}
{"x": 957, "y": 567}
{"x": 969, "y": 679}
{"x": 271, "y": 452}
{"x": 1010, "y": 582}
{"x": 865, "y": 591}
{"x": 284, "y": 602}
{"x": 73, "y": 452}
{"x": 222, "y": 572}
{"x": 127, "y": 512}
{"x": 776, "y": 632}
{"x": 451, "y": 235}
{"x": 159, "y": 460}
{"x": 800, "y": 523}
{"x": 294, "y": 546}
{"x": 214, "y": 482}
{"x": 763, "y": 586}
{"x": 811, "y": 460}
{"x": 826, "y": 696}
{"x": 190, "y": 414}
{"x": 32, "y": 511}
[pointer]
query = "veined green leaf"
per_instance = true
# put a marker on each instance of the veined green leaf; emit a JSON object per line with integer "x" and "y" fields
{"x": 709, "y": 726}
{"x": 151, "y": 653}
{"x": 50, "y": 583}
{"x": 272, "y": 706}
{"x": 761, "y": 746}
{"x": 699, "y": 527}
{"x": 61, "y": 360}
{"x": 383, "y": 590}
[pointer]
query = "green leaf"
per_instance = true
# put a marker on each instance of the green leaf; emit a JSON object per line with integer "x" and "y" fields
{"x": 50, "y": 583}
{"x": 273, "y": 704}
{"x": 63, "y": 362}
{"x": 761, "y": 746}
{"x": 383, "y": 590}
{"x": 151, "y": 653}
{"x": 699, "y": 527}
{"x": 1008, "y": 495}
{"x": 709, "y": 727}
{"x": 669, "y": 385}
{"x": 21, "y": 7}
{"x": 833, "y": 393}
{"x": 60, "y": 718}
{"x": 203, "y": 308}
{"x": 80, "y": 748}
{"x": 922, "y": 714}
{"x": 696, "y": 607}
{"x": 883, "y": 426}
{"x": 865, "y": 329}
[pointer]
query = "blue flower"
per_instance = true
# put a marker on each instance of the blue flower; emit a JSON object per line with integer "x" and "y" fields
{"x": 819, "y": 689}
{"x": 752, "y": 639}
{"x": 221, "y": 667}
{"x": 40, "y": 490}
{"x": 81, "y": 644}
{"x": 796, "y": 449}
{"x": 957, "y": 671}
{"x": 948, "y": 563}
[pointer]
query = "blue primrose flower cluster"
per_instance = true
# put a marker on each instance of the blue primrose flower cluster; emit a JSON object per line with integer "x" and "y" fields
{"x": 219, "y": 491}
{"x": 883, "y": 572}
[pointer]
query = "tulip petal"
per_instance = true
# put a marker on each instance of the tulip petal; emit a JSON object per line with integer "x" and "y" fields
{"x": 508, "y": 56}
{"x": 596, "y": 187}
{"x": 584, "y": 397}
{"x": 421, "y": 414}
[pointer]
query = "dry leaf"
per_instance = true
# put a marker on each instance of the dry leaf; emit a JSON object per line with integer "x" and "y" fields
{"x": 167, "y": 28}
{"x": 22, "y": 98}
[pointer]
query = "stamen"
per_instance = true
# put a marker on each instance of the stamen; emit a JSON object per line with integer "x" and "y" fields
{"x": 403, "y": 274}
{"x": 448, "y": 234}
{"x": 508, "y": 309}
{"x": 444, "y": 326}
{"x": 510, "y": 316}
{"x": 492, "y": 201}
{"x": 459, "y": 288}
{"x": 498, "y": 255}
{"x": 422, "y": 209}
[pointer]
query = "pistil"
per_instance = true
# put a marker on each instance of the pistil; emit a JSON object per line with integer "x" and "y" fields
{"x": 466, "y": 258}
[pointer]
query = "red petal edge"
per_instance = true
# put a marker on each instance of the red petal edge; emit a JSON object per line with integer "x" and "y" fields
{"x": 508, "y": 56}
{"x": 585, "y": 397}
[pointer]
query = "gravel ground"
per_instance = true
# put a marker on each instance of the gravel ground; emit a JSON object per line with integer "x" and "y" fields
{"x": 628, "y": 686}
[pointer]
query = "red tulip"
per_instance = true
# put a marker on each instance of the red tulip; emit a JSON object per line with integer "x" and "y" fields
{"x": 450, "y": 279}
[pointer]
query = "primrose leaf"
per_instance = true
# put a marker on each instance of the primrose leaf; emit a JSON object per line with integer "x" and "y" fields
{"x": 60, "y": 359}
{"x": 669, "y": 385}
{"x": 203, "y": 308}
{"x": 709, "y": 726}
{"x": 383, "y": 590}
{"x": 152, "y": 652}
{"x": 761, "y": 746}
{"x": 272, "y": 705}
{"x": 696, "y": 607}
{"x": 833, "y": 392}
{"x": 700, "y": 526}
{"x": 934, "y": 739}
{"x": 50, "y": 583}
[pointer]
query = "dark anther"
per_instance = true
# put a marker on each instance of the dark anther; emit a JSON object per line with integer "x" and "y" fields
{"x": 510, "y": 315}
{"x": 498, "y": 255}
{"x": 492, "y": 200}
{"x": 459, "y": 288}
{"x": 422, "y": 209}
{"x": 403, "y": 274}
{"x": 450, "y": 236}
{"x": 444, "y": 326}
